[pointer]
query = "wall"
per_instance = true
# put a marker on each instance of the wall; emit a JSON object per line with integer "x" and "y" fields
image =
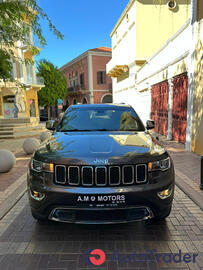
{"x": 199, "y": 10}
{"x": 99, "y": 64}
{"x": 155, "y": 23}
{"x": 197, "y": 142}
{"x": 81, "y": 66}
{"x": 123, "y": 39}
{"x": 169, "y": 61}
{"x": 1, "y": 106}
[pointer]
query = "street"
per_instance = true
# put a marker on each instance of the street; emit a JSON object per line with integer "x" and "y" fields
{"x": 27, "y": 244}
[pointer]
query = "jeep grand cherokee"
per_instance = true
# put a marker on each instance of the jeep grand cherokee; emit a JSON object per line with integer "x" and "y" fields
{"x": 100, "y": 166}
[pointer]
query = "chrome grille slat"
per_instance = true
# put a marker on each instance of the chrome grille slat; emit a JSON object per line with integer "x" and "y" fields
{"x": 99, "y": 176}
{"x": 87, "y": 175}
{"x": 62, "y": 168}
{"x": 73, "y": 175}
{"x": 128, "y": 175}
{"x": 112, "y": 174}
{"x": 143, "y": 169}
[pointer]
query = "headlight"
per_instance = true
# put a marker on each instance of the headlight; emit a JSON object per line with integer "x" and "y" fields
{"x": 161, "y": 165}
{"x": 41, "y": 166}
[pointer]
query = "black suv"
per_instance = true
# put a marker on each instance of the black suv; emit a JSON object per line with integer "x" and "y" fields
{"x": 100, "y": 166}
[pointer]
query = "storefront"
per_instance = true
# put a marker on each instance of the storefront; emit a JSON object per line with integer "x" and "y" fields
{"x": 18, "y": 103}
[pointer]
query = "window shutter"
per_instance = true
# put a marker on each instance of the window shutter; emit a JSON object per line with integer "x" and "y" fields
{"x": 98, "y": 77}
{"x": 104, "y": 77}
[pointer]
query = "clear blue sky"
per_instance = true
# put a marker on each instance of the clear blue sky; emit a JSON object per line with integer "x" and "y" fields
{"x": 85, "y": 24}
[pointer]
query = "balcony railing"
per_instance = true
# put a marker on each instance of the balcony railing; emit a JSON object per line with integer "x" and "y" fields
{"x": 76, "y": 88}
{"x": 29, "y": 80}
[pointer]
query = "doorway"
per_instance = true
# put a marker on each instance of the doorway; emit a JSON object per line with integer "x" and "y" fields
{"x": 32, "y": 108}
{"x": 10, "y": 110}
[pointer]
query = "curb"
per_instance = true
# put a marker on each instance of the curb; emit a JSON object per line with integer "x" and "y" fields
{"x": 195, "y": 196}
{"x": 12, "y": 199}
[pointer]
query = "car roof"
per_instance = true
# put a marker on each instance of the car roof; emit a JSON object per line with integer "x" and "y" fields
{"x": 100, "y": 105}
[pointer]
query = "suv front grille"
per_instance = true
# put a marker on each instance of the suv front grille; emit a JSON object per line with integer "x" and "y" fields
{"x": 100, "y": 175}
{"x": 73, "y": 175}
{"x": 114, "y": 176}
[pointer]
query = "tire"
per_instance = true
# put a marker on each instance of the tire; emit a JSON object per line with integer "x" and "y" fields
{"x": 164, "y": 215}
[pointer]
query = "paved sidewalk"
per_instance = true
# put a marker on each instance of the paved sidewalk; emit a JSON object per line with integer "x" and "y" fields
{"x": 14, "y": 145}
{"x": 187, "y": 169}
{"x": 13, "y": 183}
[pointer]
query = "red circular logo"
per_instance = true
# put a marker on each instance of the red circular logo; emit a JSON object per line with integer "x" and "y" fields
{"x": 100, "y": 260}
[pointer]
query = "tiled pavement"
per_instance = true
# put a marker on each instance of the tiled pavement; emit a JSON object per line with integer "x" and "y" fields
{"x": 13, "y": 183}
{"x": 187, "y": 169}
{"x": 27, "y": 244}
{"x": 14, "y": 145}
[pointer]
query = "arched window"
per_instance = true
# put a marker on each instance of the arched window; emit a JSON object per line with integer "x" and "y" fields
{"x": 84, "y": 101}
{"x": 107, "y": 98}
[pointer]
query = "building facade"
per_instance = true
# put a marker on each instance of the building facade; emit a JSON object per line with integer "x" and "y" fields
{"x": 18, "y": 99}
{"x": 87, "y": 81}
{"x": 163, "y": 82}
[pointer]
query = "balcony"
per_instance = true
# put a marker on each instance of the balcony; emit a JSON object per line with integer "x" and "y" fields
{"x": 34, "y": 81}
{"x": 114, "y": 70}
{"x": 76, "y": 90}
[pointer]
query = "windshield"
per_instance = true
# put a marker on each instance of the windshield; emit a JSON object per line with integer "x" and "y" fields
{"x": 100, "y": 118}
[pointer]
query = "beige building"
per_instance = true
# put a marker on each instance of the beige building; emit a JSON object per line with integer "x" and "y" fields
{"x": 18, "y": 99}
{"x": 157, "y": 66}
{"x": 197, "y": 110}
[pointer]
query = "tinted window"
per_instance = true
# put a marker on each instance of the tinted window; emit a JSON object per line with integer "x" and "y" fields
{"x": 100, "y": 118}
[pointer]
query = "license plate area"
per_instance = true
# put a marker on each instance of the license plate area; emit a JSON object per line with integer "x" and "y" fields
{"x": 101, "y": 201}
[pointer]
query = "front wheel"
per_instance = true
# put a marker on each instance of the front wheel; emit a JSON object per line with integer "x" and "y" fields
{"x": 164, "y": 215}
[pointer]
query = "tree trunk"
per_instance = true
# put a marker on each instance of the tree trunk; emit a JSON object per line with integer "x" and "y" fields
{"x": 49, "y": 112}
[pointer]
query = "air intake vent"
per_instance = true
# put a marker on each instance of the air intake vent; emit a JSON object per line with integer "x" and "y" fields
{"x": 60, "y": 173}
{"x": 114, "y": 176}
{"x": 87, "y": 176}
{"x": 128, "y": 175}
{"x": 101, "y": 176}
{"x": 73, "y": 175}
{"x": 141, "y": 173}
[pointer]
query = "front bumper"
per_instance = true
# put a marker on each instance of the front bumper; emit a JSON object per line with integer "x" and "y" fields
{"x": 101, "y": 216}
{"x": 60, "y": 202}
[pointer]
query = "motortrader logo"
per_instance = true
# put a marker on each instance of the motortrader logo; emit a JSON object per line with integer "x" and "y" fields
{"x": 98, "y": 257}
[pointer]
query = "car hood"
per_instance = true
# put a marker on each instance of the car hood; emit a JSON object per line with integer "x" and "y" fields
{"x": 98, "y": 148}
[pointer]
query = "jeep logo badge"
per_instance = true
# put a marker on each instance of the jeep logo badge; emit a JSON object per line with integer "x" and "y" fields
{"x": 101, "y": 161}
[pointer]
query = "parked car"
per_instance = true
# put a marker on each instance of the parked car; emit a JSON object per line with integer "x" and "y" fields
{"x": 100, "y": 166}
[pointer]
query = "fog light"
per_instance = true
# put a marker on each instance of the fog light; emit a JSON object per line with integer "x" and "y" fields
{"x": 37, "y": 195}
{"x": 165, "y": 193}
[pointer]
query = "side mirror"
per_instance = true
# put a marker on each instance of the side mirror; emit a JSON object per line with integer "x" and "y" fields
{"x": 150, "y": 124}
{"x": 50, "y": 124}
